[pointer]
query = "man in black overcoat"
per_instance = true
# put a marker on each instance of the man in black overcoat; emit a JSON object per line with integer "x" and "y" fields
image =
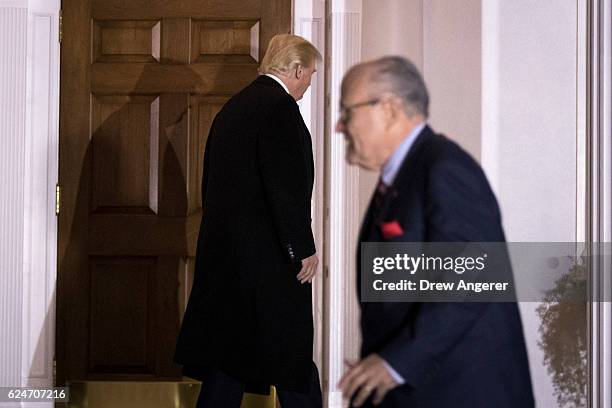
{"x": 425, "y": 355}
{"x": 248, "y": 322}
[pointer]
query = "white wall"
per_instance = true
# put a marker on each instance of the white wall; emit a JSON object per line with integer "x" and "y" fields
{"x": 389, "y": 27}
{"x": 532, "y": 121}
{"x": 443, "y": 39}
{"x": 451, "y": 68}
{"x": 530, "y": 129}
{"x": 392, "y": 27}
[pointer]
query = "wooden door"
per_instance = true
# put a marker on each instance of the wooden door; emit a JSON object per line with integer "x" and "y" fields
{"x": 140, "y": 83}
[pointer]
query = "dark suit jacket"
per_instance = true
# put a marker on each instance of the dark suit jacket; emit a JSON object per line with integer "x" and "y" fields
{"x": 456, "y": 355}
{"x": 247, "y": 313}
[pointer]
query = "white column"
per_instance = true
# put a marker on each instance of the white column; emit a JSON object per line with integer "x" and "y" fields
{"x": 13, "y": 32}
{"x": 29, "y": 95}
{"x": 342, "y": 332}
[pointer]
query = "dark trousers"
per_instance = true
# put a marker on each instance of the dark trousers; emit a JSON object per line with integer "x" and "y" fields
{"x": 219, "y": 390}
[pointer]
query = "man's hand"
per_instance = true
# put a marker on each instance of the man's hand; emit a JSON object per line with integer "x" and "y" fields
{"x": 309, "y": 268}
{"x": 365, "y": 377}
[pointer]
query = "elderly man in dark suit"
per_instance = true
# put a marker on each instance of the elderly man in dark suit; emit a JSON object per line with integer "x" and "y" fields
{"x": 426, "y": 355}
{"x": 248, "y": 323}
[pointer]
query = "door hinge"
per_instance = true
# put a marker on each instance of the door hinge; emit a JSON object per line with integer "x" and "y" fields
{"x": 60, "y": 26}
{"x": 58, "y": 194}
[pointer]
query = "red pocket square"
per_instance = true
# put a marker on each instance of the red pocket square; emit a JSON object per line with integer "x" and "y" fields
{"x": 391, "y": 229}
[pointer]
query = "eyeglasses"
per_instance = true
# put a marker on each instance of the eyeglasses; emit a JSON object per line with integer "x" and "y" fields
{"x": 346, "y": 111}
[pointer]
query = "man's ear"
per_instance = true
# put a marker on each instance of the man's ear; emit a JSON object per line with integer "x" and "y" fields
{"x": 391, "y": 111}
{"x": 298, "y": 72}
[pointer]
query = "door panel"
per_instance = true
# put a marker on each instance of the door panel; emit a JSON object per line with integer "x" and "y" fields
{"x": 141, "y": 82}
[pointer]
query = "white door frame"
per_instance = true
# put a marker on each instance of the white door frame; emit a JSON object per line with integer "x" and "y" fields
{"x": 41, "y": 176}
{"x": 598, "y": 184}
{"x": 334, "y": 27}
{"x": 309, "y": 22}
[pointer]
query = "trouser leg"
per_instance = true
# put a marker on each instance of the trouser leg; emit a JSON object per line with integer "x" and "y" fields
{"x": 312, "y": 399}
{"x": 220, "y": 390}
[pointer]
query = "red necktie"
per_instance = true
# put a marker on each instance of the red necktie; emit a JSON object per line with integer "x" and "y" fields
{"x": 379, "y": 196}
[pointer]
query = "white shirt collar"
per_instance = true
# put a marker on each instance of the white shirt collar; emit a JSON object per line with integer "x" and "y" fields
{"x": 393, "y": 163}
{"x": 277, "y": 79}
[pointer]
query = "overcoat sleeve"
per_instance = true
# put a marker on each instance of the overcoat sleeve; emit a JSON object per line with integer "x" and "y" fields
{"x": 281, "y": 160}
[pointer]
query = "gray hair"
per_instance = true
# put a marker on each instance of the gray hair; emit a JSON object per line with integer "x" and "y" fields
{"x": 400, "y": 77}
